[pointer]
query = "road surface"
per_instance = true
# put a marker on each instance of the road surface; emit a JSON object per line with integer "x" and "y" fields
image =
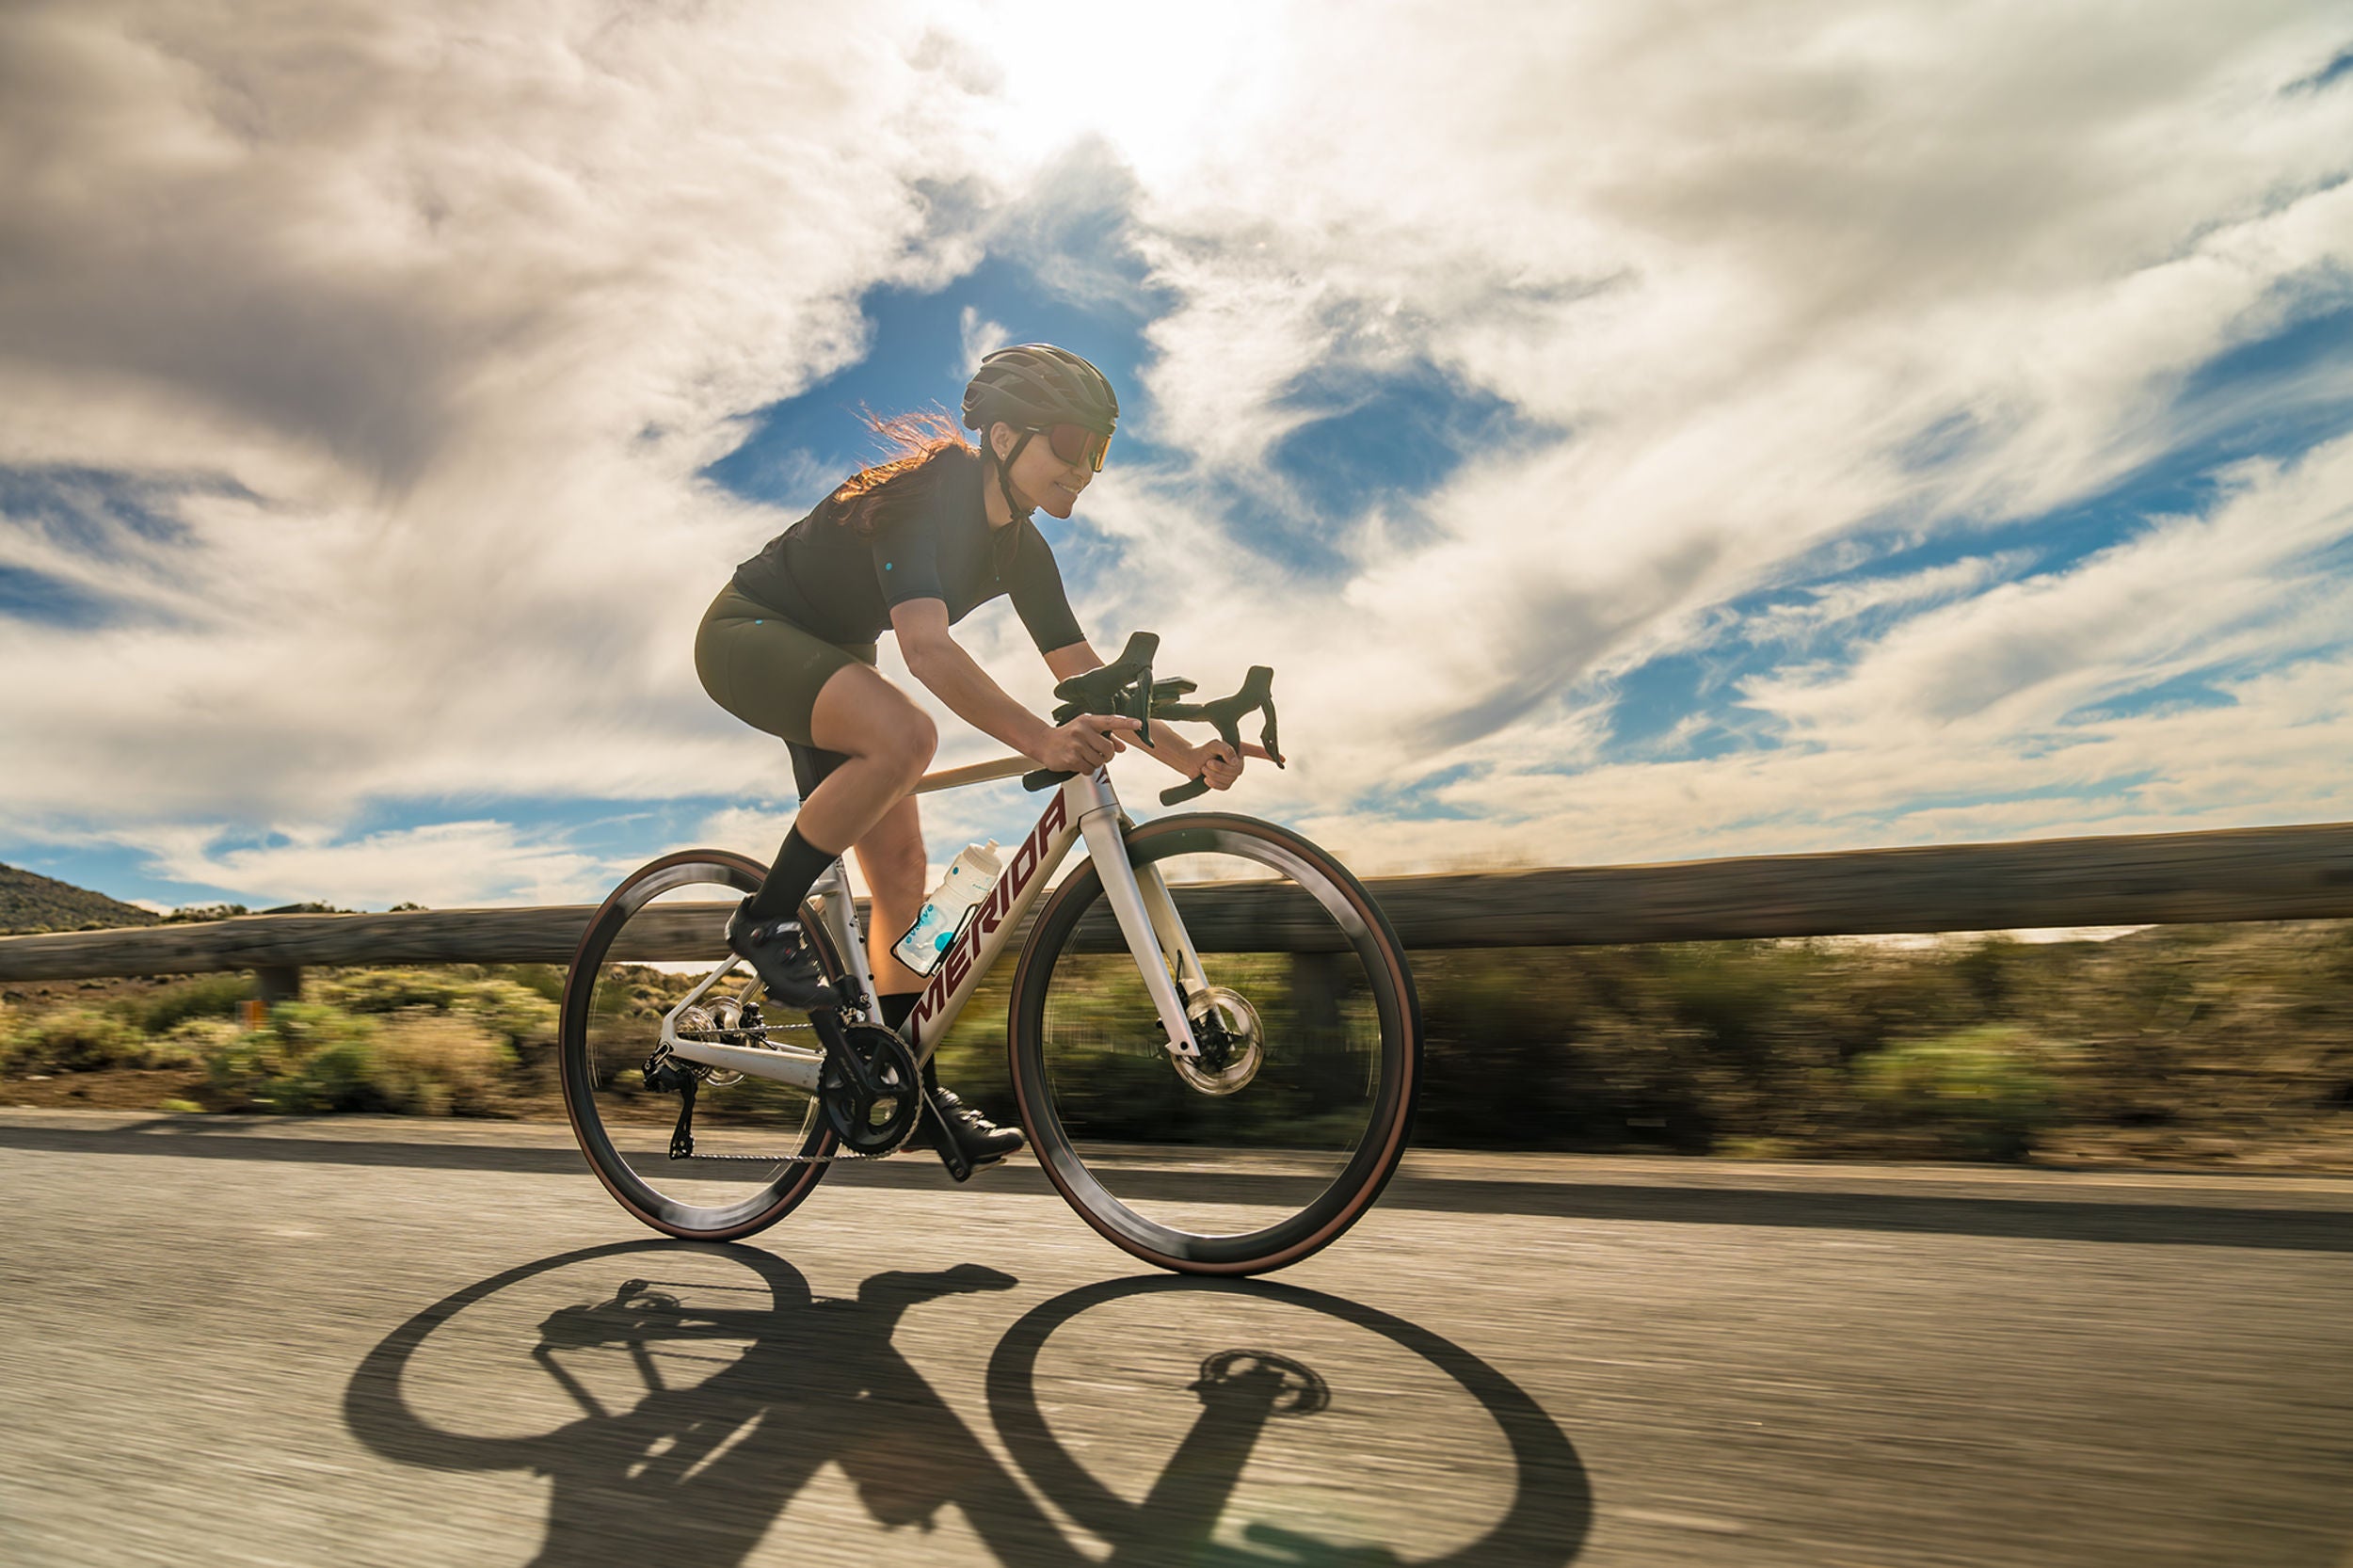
{"x": 376, "y": 1341}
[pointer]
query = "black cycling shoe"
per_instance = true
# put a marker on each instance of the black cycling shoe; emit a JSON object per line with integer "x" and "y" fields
{"x": 781, "y": 956}
{"x": 980, "y": 1140}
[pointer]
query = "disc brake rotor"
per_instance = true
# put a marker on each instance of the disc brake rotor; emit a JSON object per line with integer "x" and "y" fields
{"x": 725, "y": 1013}
{"x": 1243, "y": 1050}
{"x": 710, "y": 1022}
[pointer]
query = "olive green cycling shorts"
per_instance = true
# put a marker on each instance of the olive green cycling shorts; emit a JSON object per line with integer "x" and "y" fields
{"x": 763, "y": 670}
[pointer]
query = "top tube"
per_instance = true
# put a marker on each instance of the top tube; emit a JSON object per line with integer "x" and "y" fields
{"x": 975, "y": 773}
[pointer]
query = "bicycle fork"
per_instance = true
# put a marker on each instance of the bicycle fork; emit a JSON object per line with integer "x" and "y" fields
{"x": 1148, "y": 919}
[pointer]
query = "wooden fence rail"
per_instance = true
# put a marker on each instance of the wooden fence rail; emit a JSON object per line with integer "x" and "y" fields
{"x": 2261, "y": 873}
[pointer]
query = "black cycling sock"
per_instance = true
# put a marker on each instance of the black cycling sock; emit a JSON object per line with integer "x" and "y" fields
{"x": 799, "y": 864}
{"x": 896, "y": 1005}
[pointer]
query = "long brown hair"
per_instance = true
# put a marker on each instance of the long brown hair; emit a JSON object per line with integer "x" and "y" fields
{"x": 924, "y": 451}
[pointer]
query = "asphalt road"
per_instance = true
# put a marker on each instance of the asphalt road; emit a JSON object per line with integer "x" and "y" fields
{"x": 409, "y": 1343}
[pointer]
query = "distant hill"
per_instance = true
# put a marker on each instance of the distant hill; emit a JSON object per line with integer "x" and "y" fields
{"x": 29, "y": 901}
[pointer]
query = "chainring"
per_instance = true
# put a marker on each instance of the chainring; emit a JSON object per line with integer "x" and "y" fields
{"x": 874, "y": 1124}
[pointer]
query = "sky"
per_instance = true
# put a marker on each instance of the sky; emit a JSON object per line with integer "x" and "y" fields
{"x": 1630, "y": 432}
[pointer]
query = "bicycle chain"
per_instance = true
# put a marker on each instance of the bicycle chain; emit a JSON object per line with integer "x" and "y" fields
{"x": 756, "y": 1037}
{"x": 795, "y": 1158}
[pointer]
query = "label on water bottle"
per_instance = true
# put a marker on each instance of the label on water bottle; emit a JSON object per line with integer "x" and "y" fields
{"x": 922, "y": 943}
{"x": 969, "y": 877}
{"x": 928, "y": 940}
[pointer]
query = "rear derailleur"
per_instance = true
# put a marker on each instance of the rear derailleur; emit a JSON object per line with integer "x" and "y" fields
{"x": 869, "y": 1090}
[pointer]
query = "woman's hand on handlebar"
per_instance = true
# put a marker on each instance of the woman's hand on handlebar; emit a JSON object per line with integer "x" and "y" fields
{"x": 1086, "y": 743}
{"x": 1214, "y": 763}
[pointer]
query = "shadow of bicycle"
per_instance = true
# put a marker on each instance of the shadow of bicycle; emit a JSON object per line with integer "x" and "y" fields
{"x": 679, "y": 1397}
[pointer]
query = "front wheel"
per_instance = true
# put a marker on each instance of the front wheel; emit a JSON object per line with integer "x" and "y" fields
{"x": 759, "y": 1145}
{"x": 1284, "y": 1134}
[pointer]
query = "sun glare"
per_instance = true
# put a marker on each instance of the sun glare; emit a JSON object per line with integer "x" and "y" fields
{"x": 1161, "y": 89}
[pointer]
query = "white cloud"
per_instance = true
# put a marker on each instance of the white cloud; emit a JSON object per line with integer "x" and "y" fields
{"x": 1759, "y": 306}
{"x": 460, "y": 309}
{"x": 2189, "y": 593}
{"x": 1846, "y": 601}
{"x": 981, "y": 336}
{"x": 441, "y": 865}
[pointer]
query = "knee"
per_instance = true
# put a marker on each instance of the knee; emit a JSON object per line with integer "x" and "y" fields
{"x": 914, "y": 742}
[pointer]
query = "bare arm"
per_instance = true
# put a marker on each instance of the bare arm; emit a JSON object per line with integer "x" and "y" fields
{"x": 934, "y": 658}
{"x": 1215, "y": 759}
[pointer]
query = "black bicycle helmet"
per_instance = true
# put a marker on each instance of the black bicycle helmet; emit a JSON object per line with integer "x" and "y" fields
{"x": 1036, "y": 385}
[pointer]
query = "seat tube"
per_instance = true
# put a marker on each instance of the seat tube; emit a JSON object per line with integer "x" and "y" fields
{"x": 1099, "y": 824}
{"x": 832, "y": 895}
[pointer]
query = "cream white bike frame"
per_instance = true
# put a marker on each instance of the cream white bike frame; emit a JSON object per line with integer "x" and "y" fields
{"x": 1083, "y": 807}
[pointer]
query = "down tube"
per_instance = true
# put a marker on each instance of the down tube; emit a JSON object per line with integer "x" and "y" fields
{"x": 985, "y": 937}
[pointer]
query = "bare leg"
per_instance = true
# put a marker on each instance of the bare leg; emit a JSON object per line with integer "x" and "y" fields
{"x": 889, "y": 742}
{"x": 891, "y": 856}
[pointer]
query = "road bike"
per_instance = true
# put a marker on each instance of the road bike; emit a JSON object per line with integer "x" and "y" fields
{"x": 1214, "y": 1043}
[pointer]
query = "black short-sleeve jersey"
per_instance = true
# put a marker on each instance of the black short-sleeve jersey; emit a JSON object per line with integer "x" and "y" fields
{"x": 827, "y": 578}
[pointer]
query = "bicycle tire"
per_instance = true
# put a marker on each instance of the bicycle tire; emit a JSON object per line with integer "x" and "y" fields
{"x": 774, "y": 1193}
{"x": 1049, "y": 1080}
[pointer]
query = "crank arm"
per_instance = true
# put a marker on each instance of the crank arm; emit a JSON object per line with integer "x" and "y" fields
{"x": 838, "y": 1051}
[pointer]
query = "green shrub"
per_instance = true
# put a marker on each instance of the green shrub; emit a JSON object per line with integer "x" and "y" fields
{"x": 201, "y": 1039}
{"x": 88, "y": 1039}
{"x": 1500, "y": 1030}
{"x": 319, "y": 1057}
{"x": 513, "y": 1012}
{"x": 547, "y": 980}
{"x": 1982, "y": 1090}
{"x": 308, "y": 1057}
{"x": 211, "y": 996}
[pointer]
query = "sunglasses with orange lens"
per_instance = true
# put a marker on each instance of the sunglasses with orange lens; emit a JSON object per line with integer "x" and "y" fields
{"x": 1076, "y": 443}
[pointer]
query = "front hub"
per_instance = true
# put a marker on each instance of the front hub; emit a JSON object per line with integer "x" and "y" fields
{"x": 1232, "y": 1043}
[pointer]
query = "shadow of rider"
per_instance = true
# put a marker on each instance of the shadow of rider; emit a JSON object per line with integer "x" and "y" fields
{"x": 819, "y": 1381}
{"x": 695, "y": 1474}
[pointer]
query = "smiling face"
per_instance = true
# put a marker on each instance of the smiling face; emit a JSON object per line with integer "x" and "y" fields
{"x": 1041, "y": 479}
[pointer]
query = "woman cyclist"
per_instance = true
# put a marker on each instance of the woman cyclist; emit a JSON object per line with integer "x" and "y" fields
{"x": 910, "y": 546}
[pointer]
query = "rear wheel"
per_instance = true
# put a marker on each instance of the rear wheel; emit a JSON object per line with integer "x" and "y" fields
{"x": 652, "y": 941}
{"x": 1282, "y": 1136}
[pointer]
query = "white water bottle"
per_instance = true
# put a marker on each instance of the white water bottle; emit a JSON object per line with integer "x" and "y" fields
{"x": 971, "y": 875}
